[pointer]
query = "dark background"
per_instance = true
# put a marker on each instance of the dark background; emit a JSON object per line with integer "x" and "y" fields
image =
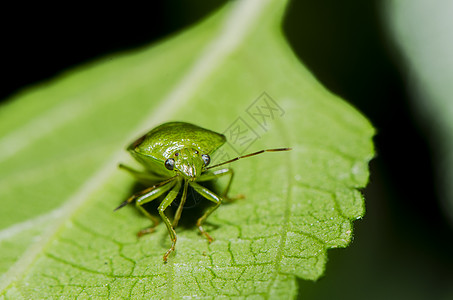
{"x": 403, "y": 247}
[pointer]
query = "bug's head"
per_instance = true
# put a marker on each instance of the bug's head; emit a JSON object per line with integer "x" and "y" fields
{"x": 188, "y": 162}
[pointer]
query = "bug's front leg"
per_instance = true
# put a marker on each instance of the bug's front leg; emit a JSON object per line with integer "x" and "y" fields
{"x": 146, "y": 193}
{"x": 165, "y": 203}
{"x": 148, "y": 197}
{"x": 211, "y": 197}
{"x": 211, "y": 175}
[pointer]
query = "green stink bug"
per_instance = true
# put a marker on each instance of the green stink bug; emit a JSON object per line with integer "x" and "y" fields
{"x": 176, "y": 155}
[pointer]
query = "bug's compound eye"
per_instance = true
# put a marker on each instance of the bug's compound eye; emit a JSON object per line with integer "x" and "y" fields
{"x": 177, "y": 154}
{"x": 170, "y": 164}
{"x": 196, "y": 151}
{"x": 206, "y": 159}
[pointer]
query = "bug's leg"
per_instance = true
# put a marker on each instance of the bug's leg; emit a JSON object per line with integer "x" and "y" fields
{"x": 144, "y": 192}
{"x": 148, "y": 197}
{"x": 211, "y": 175}
{"x": 165, "y": 203}
{"x": 145, "y": 177}
{"x": 181, "y": 205}
{"x": 211, "y": 197}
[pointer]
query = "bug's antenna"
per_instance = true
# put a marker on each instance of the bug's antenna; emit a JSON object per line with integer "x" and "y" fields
{"x": 248, "y": 155}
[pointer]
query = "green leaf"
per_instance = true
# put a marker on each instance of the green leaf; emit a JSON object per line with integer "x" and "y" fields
{"x": 60, "y": 145}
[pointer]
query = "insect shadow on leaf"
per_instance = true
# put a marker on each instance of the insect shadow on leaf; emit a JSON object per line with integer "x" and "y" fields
{"x": 193, "y": 209}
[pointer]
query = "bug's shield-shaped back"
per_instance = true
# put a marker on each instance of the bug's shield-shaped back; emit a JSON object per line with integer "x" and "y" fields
{"x": 152, "y": 149}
